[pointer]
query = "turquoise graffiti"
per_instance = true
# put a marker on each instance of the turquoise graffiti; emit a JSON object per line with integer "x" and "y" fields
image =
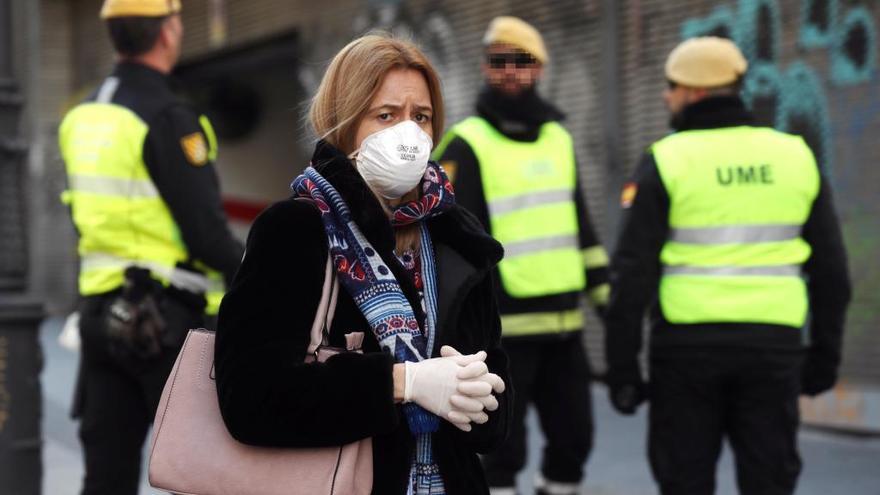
{"x": 854, "y": 49}
{"x": 817, "y": 20}
{"x": 792, "y": 97}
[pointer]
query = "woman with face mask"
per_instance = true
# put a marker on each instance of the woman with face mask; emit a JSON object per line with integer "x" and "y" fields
{"x": 415, "y": 296}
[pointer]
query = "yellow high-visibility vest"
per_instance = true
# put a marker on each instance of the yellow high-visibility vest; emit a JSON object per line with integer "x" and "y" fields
{"x": 738, "y": 200}
{"x": 120, "y": 216}
{"x": 529, "y": 188}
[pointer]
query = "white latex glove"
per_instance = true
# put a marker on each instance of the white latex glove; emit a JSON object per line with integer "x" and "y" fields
{"x": 468, "y": 409}
{"x": 462, "y": 420}
{"x": 463, "y": 359}
{"x": 483, "y": 393}
{"x": 432, "y": 383}
{"x": 475, "y": 384}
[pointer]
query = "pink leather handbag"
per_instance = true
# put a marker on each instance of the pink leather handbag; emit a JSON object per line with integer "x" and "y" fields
{"x": 194, "y": 454}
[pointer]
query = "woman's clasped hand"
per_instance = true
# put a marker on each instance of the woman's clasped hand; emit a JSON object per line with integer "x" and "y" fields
{"x": 456, "y": 387}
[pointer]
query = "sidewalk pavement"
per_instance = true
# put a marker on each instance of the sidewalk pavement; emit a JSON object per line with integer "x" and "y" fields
{"x": 832, "y": 463}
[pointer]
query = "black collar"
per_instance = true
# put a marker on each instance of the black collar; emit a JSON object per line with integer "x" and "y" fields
{"x": 142, "y": 73}
{"x": 712, "y": 113}
{"x": 520, "y": 118}
{"x": 457, "y": 228}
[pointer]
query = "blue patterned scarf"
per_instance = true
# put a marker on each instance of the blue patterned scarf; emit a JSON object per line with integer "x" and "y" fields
{"x": 376, "y": 292}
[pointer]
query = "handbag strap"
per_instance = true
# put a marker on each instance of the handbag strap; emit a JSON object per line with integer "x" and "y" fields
{"x": 320, "y": 334}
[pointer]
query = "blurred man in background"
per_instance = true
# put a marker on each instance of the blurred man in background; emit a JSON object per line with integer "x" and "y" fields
{"x": 145, "y": 200}
{"x": 730, "y": 236}
{"x": 514, "y": 167}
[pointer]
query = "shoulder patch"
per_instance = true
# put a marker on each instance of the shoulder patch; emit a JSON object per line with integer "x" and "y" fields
{"x": 450, "y": 167}
{"x": 628, "y": 195}
{"x": 195, "y": 149}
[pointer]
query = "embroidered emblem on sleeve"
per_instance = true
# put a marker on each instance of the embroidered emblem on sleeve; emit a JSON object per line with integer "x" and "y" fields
{"x": 628, "y": 195}
{"x": 195, "y": 149}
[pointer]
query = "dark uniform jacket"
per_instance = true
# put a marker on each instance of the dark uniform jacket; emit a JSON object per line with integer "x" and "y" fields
{"x": 192, "y": 193}
{"x": 519, "y": 119}
{"x": 268, "y": 396}
{"x": 191, "y": 190}
{"x": 636, "y": 271}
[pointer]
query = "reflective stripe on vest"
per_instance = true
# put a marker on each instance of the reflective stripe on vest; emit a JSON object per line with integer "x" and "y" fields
{"x": 529, "y": 189}
{"x": 541, "y": 244}
{"x": 735, "y": 234}
{"x": 738, "y": 200}
{"x": 182, "y": 279}
{"x": 119, "y": 214}
{"x": 547, "y": 322}
{"x": 503, "y": 206}
{"x": 112, "y": 186}
{"x": 740, "y": 271}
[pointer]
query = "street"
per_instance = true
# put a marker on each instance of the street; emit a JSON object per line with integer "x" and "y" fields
{"x": 832, "y": 463}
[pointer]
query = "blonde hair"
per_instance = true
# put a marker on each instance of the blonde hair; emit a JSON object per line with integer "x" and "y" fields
{"x": 352, "y": 80}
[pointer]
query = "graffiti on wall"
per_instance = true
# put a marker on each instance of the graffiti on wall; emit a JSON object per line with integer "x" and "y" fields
{"x": 792, "y": 98}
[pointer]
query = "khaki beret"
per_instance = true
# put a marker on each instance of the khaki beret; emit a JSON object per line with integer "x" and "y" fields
{"x": 517, "y": 32}
{"x": 705, "y": 62}
{"x": 139, "y": 8}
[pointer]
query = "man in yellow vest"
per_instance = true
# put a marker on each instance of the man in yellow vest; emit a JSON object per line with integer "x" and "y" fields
{"x": 513, "y": 166}
{"x": 731, "y": 239}
{"x": 145, "y": 200}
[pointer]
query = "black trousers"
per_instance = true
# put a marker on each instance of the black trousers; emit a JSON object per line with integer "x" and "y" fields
{"x": 701, "y": 396}
{"x": 555, "y": 376}
{"x": 117, "y": 397}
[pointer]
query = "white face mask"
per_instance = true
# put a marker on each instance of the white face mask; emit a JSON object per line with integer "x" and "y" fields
{"x": 393, "y": 161}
